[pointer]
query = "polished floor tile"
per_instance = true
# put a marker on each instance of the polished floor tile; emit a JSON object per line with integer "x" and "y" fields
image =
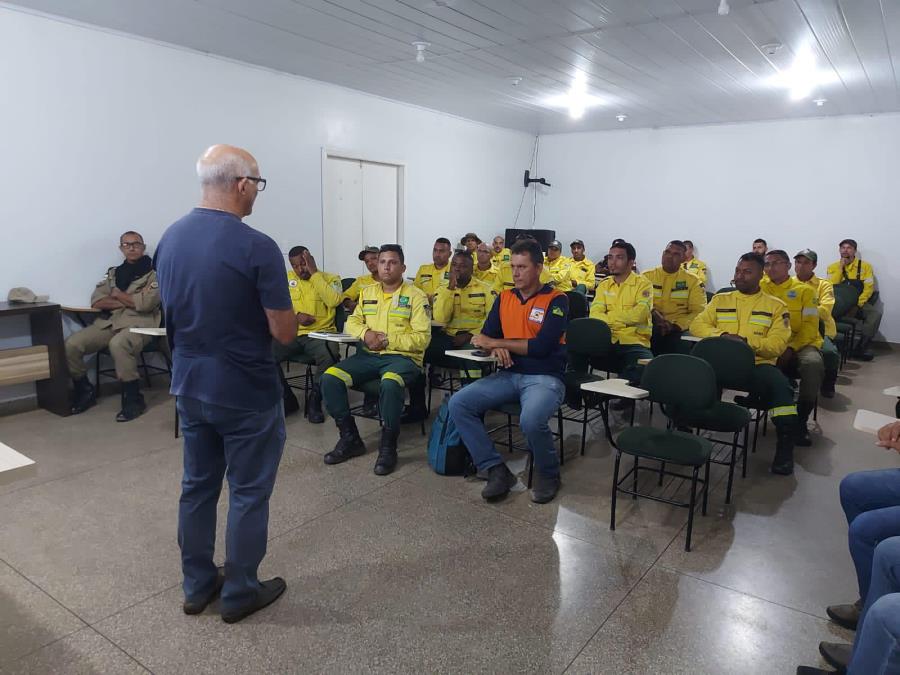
{"x": 83, "y": 653}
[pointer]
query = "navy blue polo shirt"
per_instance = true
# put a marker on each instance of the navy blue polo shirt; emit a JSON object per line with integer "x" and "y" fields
{"x": 216, "y": 274}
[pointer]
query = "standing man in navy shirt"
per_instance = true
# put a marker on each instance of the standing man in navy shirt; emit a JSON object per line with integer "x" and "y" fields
{"x": 225, "y": 296}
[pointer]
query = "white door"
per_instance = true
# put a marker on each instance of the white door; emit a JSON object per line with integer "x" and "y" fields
{"x": 360, "y": 204}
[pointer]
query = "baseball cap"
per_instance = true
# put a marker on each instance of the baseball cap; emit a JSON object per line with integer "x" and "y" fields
{"x": 577, "y": 242}
{"x": 808, "y": 253}
{"x": 554, "y": 244}
{"x": 23, "y": 295}
{"x": 367, "y": 250}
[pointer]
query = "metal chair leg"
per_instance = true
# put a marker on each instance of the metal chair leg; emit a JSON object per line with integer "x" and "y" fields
{"x": 615, "y": 490}
{"x": 734, "y": 447}
{"x": 634, "y": 476}
{"x": 146, "y": 370}
{"x": 705, "y": 488}
{"x": 690, "y": 523}
{"x": 584, "y": 423}
{"x": 746, "y": 449}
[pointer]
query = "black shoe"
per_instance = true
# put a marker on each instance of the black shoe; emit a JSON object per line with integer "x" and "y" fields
{"x": 197, "y": 606}
{"x": 803, "y": 439}
{"x": 836, "y": 654}
{"x": 783, "y": 464}
{"x": 812, "y": 670}
{"x": 413, "y": 414}
{"x": 291, "y": 404}
{"x": 84, "y": 395}
{"x": 387, "y": 452}
{"x": 133, "y": 405}
{"x": 499, "y": 482}
{"x": 545, "y": 488}
{"x": 846, "y": 616}
{"x": 863, "y": 355}
{"x": 268, "y": 593}
{"x": 314, "y": 407}
{"x": 349, "y": 444}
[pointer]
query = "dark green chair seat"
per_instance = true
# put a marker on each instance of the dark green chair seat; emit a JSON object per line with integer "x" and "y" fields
{"x": 588, "y": 343}
{"x": 677, "y": 447}
{"x": 304, "y": 359}
{"x": 721, "y": 417}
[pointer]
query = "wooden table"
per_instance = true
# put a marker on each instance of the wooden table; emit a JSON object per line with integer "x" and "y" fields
{"x": 45, "y": 319}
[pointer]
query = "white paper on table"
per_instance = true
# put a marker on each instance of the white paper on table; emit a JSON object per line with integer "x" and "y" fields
{"x": 871, "y": 422}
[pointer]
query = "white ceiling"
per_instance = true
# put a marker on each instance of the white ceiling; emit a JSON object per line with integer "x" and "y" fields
{"x": 660, "y": 62}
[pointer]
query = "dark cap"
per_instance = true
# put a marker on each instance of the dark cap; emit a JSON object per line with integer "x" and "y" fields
{"x": 577, "y": 242}
{"x": 367, "y": 250}
{"x": 808, "y": 253}
{"x": 554, "y": 244}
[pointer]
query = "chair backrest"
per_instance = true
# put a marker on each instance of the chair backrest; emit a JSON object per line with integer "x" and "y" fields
{"x": 588, "y": 337}
{"x": 340, "y": 318}
{"x": 732, "y": 361}
{"x": 346, "y": 283}
{"x": 846, "y": 297}
{"x": 727, "y": 289}
{"x": 709, "y": 295}
{"x": 578, "y": 307}
{"x": 680, "y": 381}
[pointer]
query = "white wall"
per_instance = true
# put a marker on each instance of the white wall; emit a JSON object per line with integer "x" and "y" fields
{"x": 101, "y": 132}
{"x": 797, "y": 184}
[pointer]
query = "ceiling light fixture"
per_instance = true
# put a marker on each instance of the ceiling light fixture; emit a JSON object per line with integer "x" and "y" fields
{"x": 421, "y": 49}
{"x": 515, "y": 80}
{"x": 621, "y": 117}
{"x": 770, "y": 48}
{"x": 820, "y": 101}
{"x": 724, "y": 8}
{"x": 577, "y": 100}
{"x": 803, "y": 76}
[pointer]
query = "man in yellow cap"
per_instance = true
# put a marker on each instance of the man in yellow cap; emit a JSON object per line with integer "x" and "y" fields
{"x": 692, "y": 264}
{"x": 853, "y": 270}
{"x": 430, "y": 277}
{"x": 764, "y": 324}
{"x": 823, "y": 291}
{"x": 678, "y": 297}
{"x": 558, "y": 267}
{"x": 369, "y": 256}
{"x": 314, "y": 295}
{"x": 581, "y": 270}
{"x": 802, "y": 356}
{"x": 393, "y": 323}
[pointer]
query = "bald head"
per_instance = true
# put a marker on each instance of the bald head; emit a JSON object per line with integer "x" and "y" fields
{"x": 230, "y": 179}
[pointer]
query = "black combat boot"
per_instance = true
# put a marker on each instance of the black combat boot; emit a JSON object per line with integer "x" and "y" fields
{"x": 416, "y": 411}
{"x": 387, "y": 452}
{"x": 133, "y": 404}
{"x": 803, "y": 439}
{"x": 783, "y": 464}
{"x": 83, "y": 396}
{"x": 349, "y": 444}
{"x": 314, "y": 406}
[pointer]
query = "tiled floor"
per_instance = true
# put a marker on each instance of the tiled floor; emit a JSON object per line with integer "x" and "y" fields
{"x": 413, "y": 572}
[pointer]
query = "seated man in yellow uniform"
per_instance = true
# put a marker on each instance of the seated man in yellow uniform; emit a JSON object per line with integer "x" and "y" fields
{"x": 470, "y": 241}
{"x": 392, "y": 322}
{"x": 484, "y": 268}
{"x": 802, "y": 357}
{"x": 314, "y": 296}
{"x": 678, "y": 297}
{"x": 128, "y": 297}
{"x": 823, "y": 292}
{"x": 692, "y": 264}
{"x": 369, "y": 255}
{"x": 853, "y": 270}
{"x": 624, "y": 301}
{"x": 461, "y": 307}
{"x": 430, "y": 277}
{"x": 764, "y": 323}
{"x": 581, "y": 270}
{"x": 500, "y": 254}
{"x": 558, "y": 266}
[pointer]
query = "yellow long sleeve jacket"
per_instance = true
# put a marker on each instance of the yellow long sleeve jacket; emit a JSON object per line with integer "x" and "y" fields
{"x": 764, "y": 321}
{"x": 318, "y": 296}
{"x": 679, "y": 296}
{"x": 497, "y": 259}
{"x": 464, "y": 310}
{"x": 402, "y": 315}
{"x": 429, "y": 278}
{"x": 626, "y": 309}
{"x": 582, "y": 272}
{"x": 490, "y": 276}
{"x": 801, "y": 303}
{"x": 857, "y": 270}
{"x": 559, "y": 273}
{"x": 698, "y": 267}
{"x": 358, "y": 284}
{"x": 823, "y": 294}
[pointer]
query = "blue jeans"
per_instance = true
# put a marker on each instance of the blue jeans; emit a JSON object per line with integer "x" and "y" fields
{"x": 539, "y": 395}
{"x": 871, "y": 502}
{"x": 877, "y": 645}
{"x": 245, "y": 446}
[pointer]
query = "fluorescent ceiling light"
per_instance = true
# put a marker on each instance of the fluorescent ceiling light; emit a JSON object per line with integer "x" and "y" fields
{"x": 803, "y": 77}
{"x": 577, "y": 100}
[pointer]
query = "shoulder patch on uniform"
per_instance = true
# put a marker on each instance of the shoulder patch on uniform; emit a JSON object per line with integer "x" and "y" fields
{"x": 557, "y": 311}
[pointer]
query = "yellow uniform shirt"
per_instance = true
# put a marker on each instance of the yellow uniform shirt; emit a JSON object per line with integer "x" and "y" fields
{"x": 582, "y": 272}
{"x": 823, "y": 294}
{"x": 626, "y": 309}
{"x": 858, "y": 269}
{"x": 698, "y": 267}
{"x": 801, "y": 303}
{"x": 464, "y": 310}
{"x": 764, "y": 321}
{"x": 318, "y": 295}
{"x": 402, "y": 315}
{"x": 559, "y": 273}
{"x": 358, "y": 284}
{"x": 429, "y": 278}
{"x": 490, "y": 276}
{"x": 497, "y": 259}
{"x": 506, "y": 278}
{"x": 679, "y": 297}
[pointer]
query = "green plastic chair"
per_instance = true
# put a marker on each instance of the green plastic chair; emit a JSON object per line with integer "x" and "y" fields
{"x": 846, "y": 297}
{"x": 664, "y": 378}
{"x": 587, "y": 341}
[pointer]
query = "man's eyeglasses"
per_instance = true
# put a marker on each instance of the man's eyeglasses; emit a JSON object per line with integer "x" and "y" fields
{"x": 132, "y": 244}
{"x": 260, "y": 182}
